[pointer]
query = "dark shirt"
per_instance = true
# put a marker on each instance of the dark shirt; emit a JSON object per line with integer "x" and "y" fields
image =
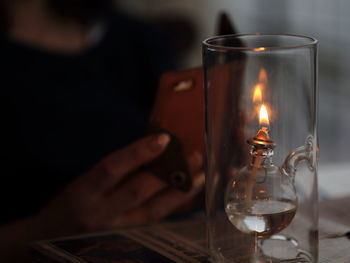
{"x": 61, "y": 114}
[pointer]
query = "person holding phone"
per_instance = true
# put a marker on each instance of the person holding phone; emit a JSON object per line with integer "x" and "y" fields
{"x": 77, "y": 87}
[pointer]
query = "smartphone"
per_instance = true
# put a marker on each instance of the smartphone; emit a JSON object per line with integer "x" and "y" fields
{"x": 178, "y": 111}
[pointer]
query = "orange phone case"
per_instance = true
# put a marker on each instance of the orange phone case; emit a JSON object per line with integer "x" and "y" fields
{"x": 179, "y": 111}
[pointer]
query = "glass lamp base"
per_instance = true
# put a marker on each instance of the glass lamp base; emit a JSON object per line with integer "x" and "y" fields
{"x": 275, "y": 249}
{"x": 282, "y": 249}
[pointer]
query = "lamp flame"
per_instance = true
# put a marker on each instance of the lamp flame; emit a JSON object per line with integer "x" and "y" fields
{"x": 264, "y": 116}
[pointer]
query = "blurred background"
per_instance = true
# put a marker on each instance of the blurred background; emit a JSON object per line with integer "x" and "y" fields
{"x": 328, "y": 21}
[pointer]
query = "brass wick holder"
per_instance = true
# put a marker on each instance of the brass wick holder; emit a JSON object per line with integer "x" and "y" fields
{"x": 262, "y": 146}
{"x": 262, "y": 140}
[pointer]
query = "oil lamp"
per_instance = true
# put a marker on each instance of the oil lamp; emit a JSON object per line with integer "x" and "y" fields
{"x": 261, "y": 136}
{"x": 261, "y": 199}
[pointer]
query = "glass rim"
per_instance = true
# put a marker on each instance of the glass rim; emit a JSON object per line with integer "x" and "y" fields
{"x": 313, "y": 42}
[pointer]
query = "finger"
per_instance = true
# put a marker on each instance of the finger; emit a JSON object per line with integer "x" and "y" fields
{"x": 173, "y": 199}
{"x": 134, "y": 192}
{"x": 195, "y": 162}
{"x": 160, "y": 206}
{"x": 114, "y": 167}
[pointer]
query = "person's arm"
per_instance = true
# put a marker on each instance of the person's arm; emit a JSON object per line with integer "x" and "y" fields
{"x": 112, "y": 194}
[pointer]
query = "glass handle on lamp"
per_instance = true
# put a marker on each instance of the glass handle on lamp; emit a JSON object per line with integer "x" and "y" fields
{"x": 302, "y": 153}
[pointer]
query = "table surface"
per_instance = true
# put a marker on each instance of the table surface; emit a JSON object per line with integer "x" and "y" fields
{"x": 335, "y": 210}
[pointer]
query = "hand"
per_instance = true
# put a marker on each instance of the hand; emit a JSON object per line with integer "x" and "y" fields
{"x": 114, "y": 193}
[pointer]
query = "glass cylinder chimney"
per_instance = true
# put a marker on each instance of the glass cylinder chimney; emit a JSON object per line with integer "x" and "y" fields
{"x": 262, "y": 148}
